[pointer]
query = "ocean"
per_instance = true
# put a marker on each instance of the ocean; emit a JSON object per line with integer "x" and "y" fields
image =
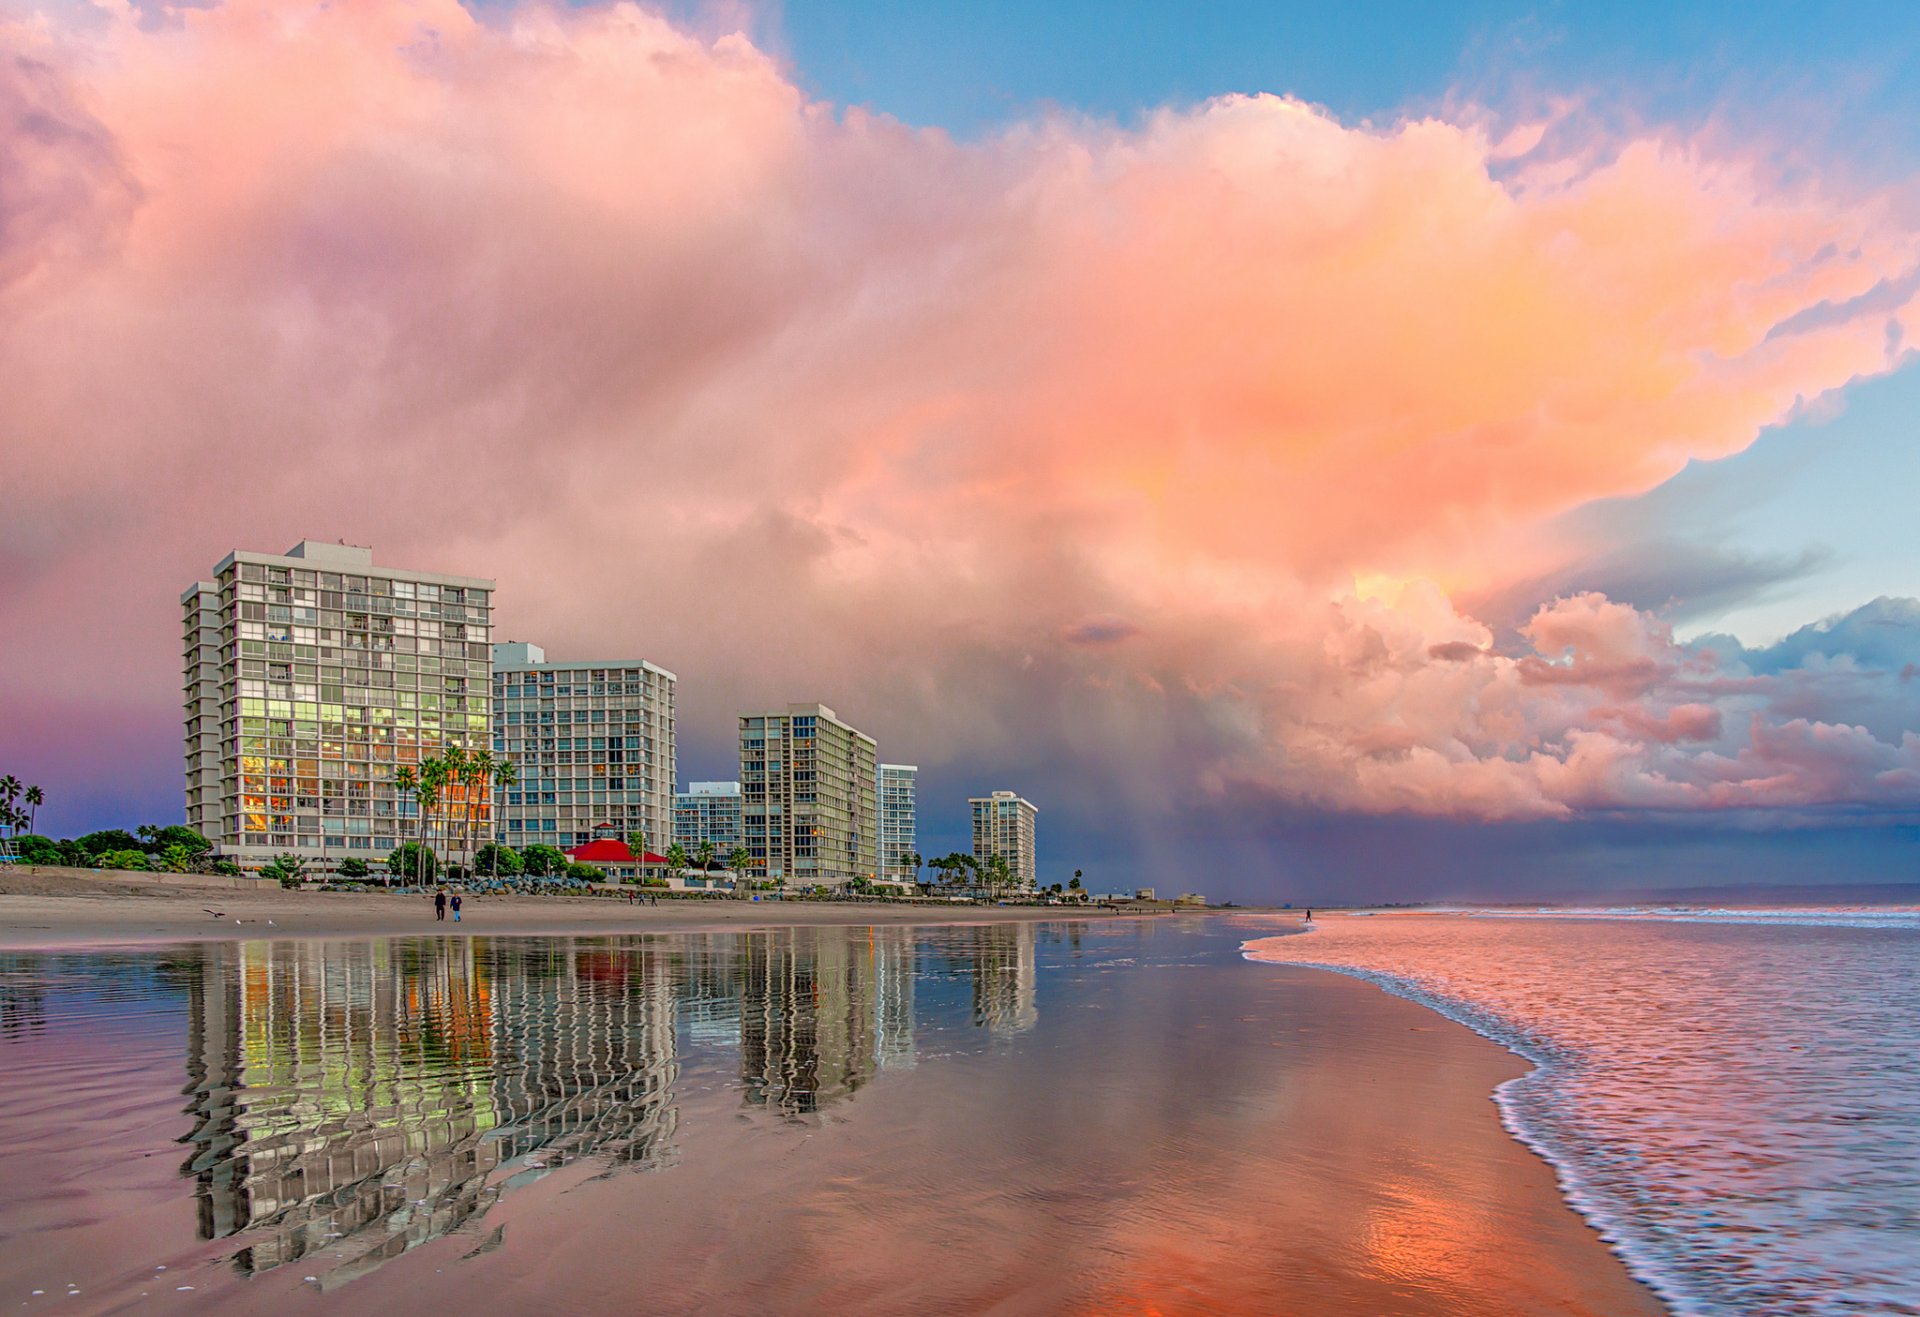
{"x": 1731, "y": 1096}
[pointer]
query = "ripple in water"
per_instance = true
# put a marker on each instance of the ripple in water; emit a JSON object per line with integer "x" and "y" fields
{"x": 1733, "y": 1098}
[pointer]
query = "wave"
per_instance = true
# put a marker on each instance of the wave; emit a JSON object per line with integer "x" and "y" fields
{"x": 1530, "y": 1113}
{"x": 1817, "y": 917}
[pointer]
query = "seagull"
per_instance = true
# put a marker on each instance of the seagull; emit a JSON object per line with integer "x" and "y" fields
{"x": 217, "y": 914}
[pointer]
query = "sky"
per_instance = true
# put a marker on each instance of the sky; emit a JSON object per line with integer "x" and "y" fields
{"x": 1429, "y": 451}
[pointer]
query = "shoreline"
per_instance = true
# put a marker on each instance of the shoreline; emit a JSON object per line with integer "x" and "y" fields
{"x": 48, "y": 911}
{"x": 1594, "y": 1212}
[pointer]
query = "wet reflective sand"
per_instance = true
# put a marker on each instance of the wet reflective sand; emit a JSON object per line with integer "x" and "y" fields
{"x": 1029, "y": 1118}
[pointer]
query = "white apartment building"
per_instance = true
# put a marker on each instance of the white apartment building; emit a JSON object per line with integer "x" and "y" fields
{"x": 310, "y": 677}
{"x": 807, "y": 806}
{"x": 1003, "y": 825}
{"x": 592, "y": 747}
{"x": 894, "y": 798}
{"x": 708, "y": 811}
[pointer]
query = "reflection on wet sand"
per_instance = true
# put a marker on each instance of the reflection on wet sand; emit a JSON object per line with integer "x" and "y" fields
{"x": 351, "y": 1101}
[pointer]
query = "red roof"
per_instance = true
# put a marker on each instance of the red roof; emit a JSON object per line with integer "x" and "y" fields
{"x": 608, "y": 850}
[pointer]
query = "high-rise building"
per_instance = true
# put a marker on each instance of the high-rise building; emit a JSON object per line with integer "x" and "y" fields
{"x": 310, "y": 678}
{"x": 894, "y": 798}
{"x": 708, "y": 811}
{"x": 592, "y": 748}
{"x": 806, "y": 783}
{"x": 1003, "y": 825}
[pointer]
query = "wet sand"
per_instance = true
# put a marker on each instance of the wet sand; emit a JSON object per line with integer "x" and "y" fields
{"x": 1138, "y": 1123}
{"x": 54, "y": 908}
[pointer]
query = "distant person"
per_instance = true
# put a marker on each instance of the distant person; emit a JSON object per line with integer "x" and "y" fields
{"x": 440, "y": 905}
{"x": 456, "y": 907}
{"x": 1309, "y": 916}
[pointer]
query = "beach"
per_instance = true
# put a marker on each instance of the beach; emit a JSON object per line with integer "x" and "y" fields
{"x": 69, "y": 907}
{"x": 1100, "y": 1115}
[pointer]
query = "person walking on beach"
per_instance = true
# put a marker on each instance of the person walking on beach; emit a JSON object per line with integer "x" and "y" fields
{"x": 456, "y": 907}
{"x": 440, "y": 904}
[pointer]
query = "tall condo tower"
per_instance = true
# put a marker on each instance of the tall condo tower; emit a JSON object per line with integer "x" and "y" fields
{"x": 592, "y": 747}
{"x": 310, "y": 677}
{"x": 807, "y": 806}
{"x": 894, "y": 792}
{"x": 1003, "y": 825}
{"x": 708, "y": 811}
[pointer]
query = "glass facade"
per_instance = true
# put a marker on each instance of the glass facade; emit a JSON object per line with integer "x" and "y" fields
{"x": 709, "y": 811}
{"x": 807, "y": 797}
{"x": 894, "y": 797}
{"x": 311, "y": 677}
{"x": 1004, "y": 825}
{"x": 592, "y": 746}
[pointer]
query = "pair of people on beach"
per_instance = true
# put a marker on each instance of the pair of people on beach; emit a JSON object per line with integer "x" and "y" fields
{"x": 440, "y": 906}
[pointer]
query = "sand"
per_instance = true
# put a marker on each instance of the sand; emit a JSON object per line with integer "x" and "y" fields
{"x": 76, "y": 907}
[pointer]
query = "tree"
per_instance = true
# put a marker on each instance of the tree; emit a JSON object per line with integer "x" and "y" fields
{"x": 496, "y": 859}
{"x": 677, "y": 857}
{"x": 37, "y": 850}
{"x": 405, "y": 783}
{"x": 176, "y": 859}
{"x": 35, "y": 799}
{"x": 289, "y": 869}
{"x": 504, "y": 777}
{"x": 586, "y": 871}
{"x": 637, "y": 843}
{"x": 9, "y": 792}
{"x": 704, "y": 853}
{"x": 911, "y": 860}
{"x": 96, "y": 844}
{"x": 353, "y": 867}
{"x": 413, "y": 859}
{"x": 160, "y": 840}
{"x": 539, "y": 860}
{"x": 132, "y": 858}
{"x": 739, "y": 861}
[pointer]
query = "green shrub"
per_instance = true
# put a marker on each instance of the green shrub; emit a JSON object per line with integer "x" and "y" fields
{"x": 495, "y": 861}
{"x": 227, "y": 867}
{"x": 537, "y": 861}
{"x": 353, "y": 867}
{"x": 586, "y": 871}
{"x": 127, "y": 859}
{"x": 403, "y": 863}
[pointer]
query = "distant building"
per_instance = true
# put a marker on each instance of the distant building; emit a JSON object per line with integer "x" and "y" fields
{"x": 1004, "y": 825}
{"x": 311, "y": 677}
{"x": 709, "y": 811}
{"x": 894, "y": 798}
{"x": 807, "y": 797}
{"x": 592, "y": 746}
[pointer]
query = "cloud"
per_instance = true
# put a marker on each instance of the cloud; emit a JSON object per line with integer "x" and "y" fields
{"x": 806, "y": 402}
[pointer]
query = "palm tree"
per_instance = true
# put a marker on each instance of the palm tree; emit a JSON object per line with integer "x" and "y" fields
{"x": 478, "y": 780}
{"x": 504, "y": 776}
{"x": 677, "y": 857}
{"x": 637, "y": 843}
{"x": 35, "y": 799}
{"x": 9, "y": 792}
{"x": 404, "y": 782}
{"x": 433, "y": 775}
{"x": 911, "y": 860}
{"x": 455, "y": 760}
{"x": 704, "y": 852}
{"x": 738, "y": 860}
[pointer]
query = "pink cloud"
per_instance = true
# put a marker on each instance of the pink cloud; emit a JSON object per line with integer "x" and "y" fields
{"x": 791, "y": 398}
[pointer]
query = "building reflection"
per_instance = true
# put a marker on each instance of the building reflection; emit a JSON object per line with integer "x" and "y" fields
{"x": 351, "y": 1101}
{"x": 365, "y": 1098}
{"x": 821, "y": 1013}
